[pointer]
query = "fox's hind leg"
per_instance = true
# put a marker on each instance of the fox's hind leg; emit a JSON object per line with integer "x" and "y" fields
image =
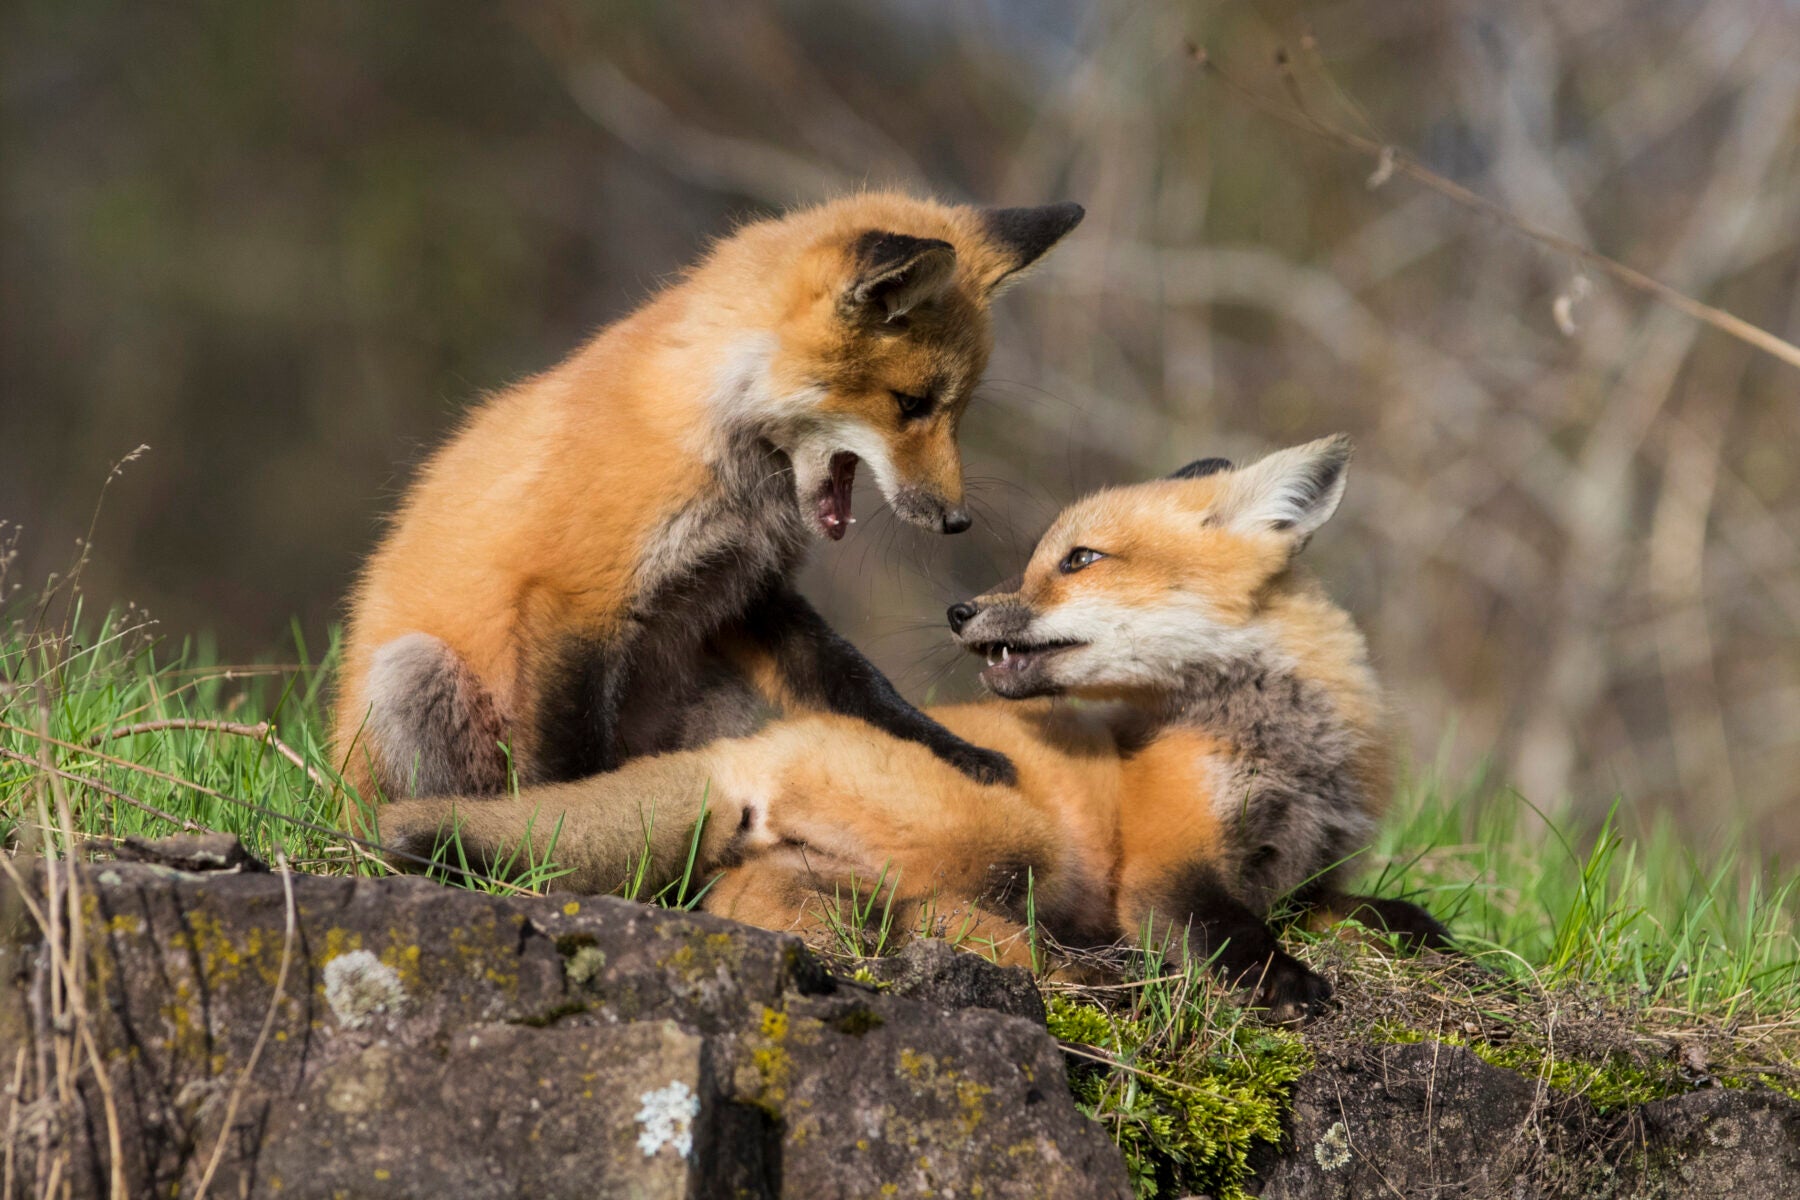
{"x": 829, "y": 905}
{"x": 1191, "y": 906}
{"x": 1413, "y": 926}
{"x": 433, "y": 727}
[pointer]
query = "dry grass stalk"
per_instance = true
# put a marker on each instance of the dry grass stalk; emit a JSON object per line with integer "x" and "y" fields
{"x": 261, "y": 731}
{"x": 262, "y": 1037}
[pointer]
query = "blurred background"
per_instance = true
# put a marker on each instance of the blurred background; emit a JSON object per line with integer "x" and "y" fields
{"x": 285, "y": 244}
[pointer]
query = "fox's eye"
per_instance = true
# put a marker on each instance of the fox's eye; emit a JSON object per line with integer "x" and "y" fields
{"x": 912, "y": 406}
{"x": 1078, "y": 559}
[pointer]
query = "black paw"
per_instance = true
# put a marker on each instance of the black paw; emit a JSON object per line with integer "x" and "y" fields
{"x": 1288, "y": 991}
{"x": 1413, "y": 927}
{"x": 983, "y": 766}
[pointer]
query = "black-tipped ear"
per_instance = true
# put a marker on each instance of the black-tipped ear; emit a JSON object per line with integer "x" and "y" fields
{"x": 896, "y": 272}
{"x": 1023, "y": 234}
{"x": 1202, "y": 467}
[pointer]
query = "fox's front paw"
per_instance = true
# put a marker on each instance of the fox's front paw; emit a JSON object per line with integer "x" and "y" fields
{"x": 1289, "y": 991}
{"x": 983, "y": 766}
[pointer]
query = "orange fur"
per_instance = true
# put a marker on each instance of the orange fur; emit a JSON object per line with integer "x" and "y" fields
{"x": 542, "y": 516}
{"x": 1116, "y": 793}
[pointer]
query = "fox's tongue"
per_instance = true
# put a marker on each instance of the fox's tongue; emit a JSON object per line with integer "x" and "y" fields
{"x": 834, "y": 498}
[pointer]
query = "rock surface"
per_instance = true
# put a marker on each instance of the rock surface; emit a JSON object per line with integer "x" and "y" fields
{"x": 441, "y": 1043}
{"x": 1435, "y": 1120}
{"x": 434, "y": 1042}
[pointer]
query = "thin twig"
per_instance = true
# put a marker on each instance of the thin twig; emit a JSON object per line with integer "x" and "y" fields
{"x": 15, "y": 1094}
{"x": 262, "y": 1037}
{"x": 84, "y": 781}
{"x": 261, "y": 731}
{"x": 1390, "y": 157}
{"x": 69, "y": 968}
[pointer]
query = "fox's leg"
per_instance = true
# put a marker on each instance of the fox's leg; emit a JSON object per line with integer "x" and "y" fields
{"x": 433, "y": 728}
{"x": 1416, "y": 928}
{"x": 782, "y": 890}
{"x": 824, "y": 902}
{"x": 577, "y": 696}
{"x": 602, "y": 830}
{"x": 800, "y": 658}
{"x": 1194, "y": 901}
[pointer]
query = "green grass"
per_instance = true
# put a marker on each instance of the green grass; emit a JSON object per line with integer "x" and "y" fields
{"x": 1186, "y": 1085}
{"x": 1643, "y": 917}
{"x": 1621, "y": 937}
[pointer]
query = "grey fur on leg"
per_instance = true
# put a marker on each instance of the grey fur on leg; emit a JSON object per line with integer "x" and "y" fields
{"x": 433, "y": 727}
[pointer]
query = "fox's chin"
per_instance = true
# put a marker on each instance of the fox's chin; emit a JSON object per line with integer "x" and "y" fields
{"x": 1020, "y": 673}
{"x": 1015, "y": 687}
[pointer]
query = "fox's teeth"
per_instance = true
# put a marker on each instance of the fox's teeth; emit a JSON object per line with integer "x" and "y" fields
{"x": 993, "y": 659}
{"x": 1005, "y": 653}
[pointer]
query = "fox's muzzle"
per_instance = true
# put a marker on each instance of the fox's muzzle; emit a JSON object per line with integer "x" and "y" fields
{"x": 917, "y": 507}
{"x": 1019, "y": 662}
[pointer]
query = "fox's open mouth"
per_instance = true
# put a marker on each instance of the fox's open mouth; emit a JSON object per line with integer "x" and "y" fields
{"x": 1013, "y": 657}
{"x": 831, "y": 507}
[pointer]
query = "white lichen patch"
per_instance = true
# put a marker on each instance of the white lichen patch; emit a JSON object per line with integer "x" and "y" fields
{"x": 1332, "y": 1152}
{"x": 668, "y": 1116}
{"x": 359, "y": 987}
{"x": 585, "y": 964}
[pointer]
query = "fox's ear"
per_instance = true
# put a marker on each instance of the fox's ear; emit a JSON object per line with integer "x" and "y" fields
{"x": 1021, "y": 235}
{"x": 1200, "y": 468}
{"x": 1293, "y": 491}
{"x": 895, "y": 273}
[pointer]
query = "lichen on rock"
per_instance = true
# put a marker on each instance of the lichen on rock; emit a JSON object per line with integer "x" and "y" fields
{"x": 359, "y": 987}
{"x": 666, "y": 1116}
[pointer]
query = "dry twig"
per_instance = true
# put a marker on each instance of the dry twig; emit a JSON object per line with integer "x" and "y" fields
{"x": 1390, "y": 159}
{"x": 262, "y": 1037}
{"x": 261, "y": 731}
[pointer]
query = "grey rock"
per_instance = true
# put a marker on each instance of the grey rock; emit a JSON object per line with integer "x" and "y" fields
{"x": 438, "y": 1042}
{"x": 1435, "y": 1120}
{"x": 1743, "y": 1143}
{"x": 191, "y": 852}
{"x": 435, "y": 1042}
{"x": 934, "y": 971}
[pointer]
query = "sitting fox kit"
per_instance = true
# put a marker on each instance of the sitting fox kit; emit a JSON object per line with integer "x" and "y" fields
{"x": 1231, "y": 750}
{"x": 599, "y": 565}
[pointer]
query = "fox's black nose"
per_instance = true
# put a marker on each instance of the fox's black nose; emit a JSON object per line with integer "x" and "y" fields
{"x": 957, "y": 520}
{"x": 959, "y": 615}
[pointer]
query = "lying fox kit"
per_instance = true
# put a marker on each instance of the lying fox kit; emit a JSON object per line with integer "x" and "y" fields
{"x": 600, "y": 564}
{"x": 1231, "y": 751}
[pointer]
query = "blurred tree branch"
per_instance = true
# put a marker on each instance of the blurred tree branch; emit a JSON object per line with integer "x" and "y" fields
{"x": 1390, "y": 159}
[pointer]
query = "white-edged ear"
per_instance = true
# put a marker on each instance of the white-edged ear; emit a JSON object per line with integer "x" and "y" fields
{"x": 1294, "y": 490}
{"x": 895, "y": 273}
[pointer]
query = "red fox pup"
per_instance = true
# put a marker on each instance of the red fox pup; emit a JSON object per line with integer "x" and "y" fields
{"x": 1232, "y": 750}
{"x": 600, "y": 564}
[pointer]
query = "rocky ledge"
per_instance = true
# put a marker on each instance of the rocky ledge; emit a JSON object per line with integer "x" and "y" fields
{"x": 398, "y": 1038}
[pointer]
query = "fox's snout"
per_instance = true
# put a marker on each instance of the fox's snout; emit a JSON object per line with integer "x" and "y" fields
{"x": 931, "y": 509}
{"x": 990, "y": 618}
